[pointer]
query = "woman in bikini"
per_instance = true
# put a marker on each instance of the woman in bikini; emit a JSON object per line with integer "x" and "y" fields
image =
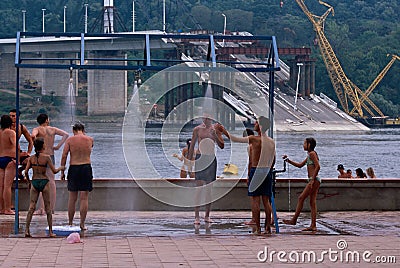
{"x": 39, "y": 162}
{"x": 311, "y": 189}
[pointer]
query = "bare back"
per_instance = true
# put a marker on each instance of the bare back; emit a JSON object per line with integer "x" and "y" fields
{"x": 262, "y": 151}
{"x": 7, "y": 142}
{"x": 80, "y": 148}
{"x": 49, "y": 133}
{"x": 39, "y": 166}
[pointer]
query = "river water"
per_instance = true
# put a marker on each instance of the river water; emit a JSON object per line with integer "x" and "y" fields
{"x": 377, "y": 148}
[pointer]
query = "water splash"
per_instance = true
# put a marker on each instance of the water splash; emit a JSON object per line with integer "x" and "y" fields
{"x": 208, "y": 101}
{"x": 71, "y": 99}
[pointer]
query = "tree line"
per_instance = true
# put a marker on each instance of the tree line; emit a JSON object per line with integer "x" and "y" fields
{"x": 362, "y": 33}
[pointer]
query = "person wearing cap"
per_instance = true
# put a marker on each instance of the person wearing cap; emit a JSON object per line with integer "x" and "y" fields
{"x": 80, "y": 175}
{"x": 342, "y": 172}
{"x": 49, "y": 133}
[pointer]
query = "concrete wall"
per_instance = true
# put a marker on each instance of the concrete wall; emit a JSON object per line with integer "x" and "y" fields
{"x": 107, "y": 89}
{"x": 334, "y": 195}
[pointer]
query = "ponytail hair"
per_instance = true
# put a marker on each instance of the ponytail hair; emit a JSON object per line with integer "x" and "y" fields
{"x": 38, "y": 143}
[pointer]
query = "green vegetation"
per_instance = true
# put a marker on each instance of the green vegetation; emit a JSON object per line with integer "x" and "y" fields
{"x": 361, "y": 33}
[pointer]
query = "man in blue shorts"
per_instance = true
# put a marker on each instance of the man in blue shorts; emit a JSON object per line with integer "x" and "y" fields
{"x": 262, "y": 160}
{"x": 79, "y": 147}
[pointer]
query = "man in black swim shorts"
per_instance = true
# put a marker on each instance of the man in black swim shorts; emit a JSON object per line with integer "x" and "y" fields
{"x": 205, "y": 167}
{"x": 80, "y": 177}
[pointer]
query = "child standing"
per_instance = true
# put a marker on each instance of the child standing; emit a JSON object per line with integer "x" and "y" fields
{"x": 312, "y": 186}
{"x": 39, "y": 163}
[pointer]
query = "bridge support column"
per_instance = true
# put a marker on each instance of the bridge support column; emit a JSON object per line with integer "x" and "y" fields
{"x": 56, "y": 81}
{"x": 107, "y": 89}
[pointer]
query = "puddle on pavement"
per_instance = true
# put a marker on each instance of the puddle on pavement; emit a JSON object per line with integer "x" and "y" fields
{"x": 156, "y": 227}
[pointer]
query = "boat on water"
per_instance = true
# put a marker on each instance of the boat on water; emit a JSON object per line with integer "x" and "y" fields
{"x": 380, "y": 122}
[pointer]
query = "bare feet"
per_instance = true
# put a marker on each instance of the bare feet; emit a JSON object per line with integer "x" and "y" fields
{"x": 310, "y": 229}
{"x": 250, "y": 222}
{"x": 83, "y": 228}
{"x": 1, "y": 211}
{"x": 289, "y": 222}
{"x": 196, "y": 221}
{"x": 207, "y": 219}
{"x": 267, "y": 231}
{"x": 28, "y": 235}
{"x": 51, "y": 235}
{"x": 9, "y": 212}
{"x": 256, "y": 231}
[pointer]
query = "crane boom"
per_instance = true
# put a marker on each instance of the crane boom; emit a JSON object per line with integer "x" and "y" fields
{"x": 345, "y": 89}
{"x": 380, "y": 76}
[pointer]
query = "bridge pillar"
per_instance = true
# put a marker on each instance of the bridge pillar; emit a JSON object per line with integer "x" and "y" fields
{"x": 107, "y": 89}
{"x": 307, "y": 76}
{"x": 56, "y": 81}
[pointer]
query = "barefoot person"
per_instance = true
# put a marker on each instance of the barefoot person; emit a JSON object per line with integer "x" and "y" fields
{"x": 39, "y": 164}
{"x": 7, "y": 164}
{"x": 79, "y": 147}
{"x": 187, "y": 166}
{"x": 311, "y": 189}
{"x": 260, "y": 177}
{"x": 48, "y": 133}
{"x": 206, "y": 135}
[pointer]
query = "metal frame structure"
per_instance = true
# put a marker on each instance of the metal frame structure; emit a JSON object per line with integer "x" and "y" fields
{"x": 270, "y": 65}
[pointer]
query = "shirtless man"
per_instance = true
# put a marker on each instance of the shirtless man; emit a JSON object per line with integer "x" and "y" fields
{"x": 205, "y": 167}
{"x": 22, "y": 130}
{"x": 49, "y": 133}
{"x": 7, "y": 163}
{"x": 262, "y": 160}
{"x": 342, "y": 173}
{"x": 79, "y": 147}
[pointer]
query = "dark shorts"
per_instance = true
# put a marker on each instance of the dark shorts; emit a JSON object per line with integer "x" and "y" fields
{"x": 260, "y": 182}
{"x": 80, "y": 178}
{"x": 205, "y": 168}
{"x": 4, "y": 160}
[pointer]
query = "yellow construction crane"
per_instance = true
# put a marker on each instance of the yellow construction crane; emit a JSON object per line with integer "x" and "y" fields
{"x": 380, "y": 76}
{"x": 345, "y": 89}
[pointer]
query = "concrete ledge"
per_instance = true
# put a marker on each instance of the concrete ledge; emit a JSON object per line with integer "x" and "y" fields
{"x": 334, "y": 194}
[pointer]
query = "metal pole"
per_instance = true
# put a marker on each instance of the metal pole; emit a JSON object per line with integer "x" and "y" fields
{"x": 23, "y": 20}
{"x": 164, "y": 16}
{"x": 43, "y": 10}
{"x": 223, "y": 40}
{"x": 16, "y": 203}
{"x": 65, "y": 17}
{"x": 133, "y": 16}
{"x": 86, "y": 17}
{"x": 297, "y": 85}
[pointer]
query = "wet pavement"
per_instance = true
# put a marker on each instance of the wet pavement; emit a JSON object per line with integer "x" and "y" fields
{"x": 152, "y": 223}
{"x": 169, "y": 239}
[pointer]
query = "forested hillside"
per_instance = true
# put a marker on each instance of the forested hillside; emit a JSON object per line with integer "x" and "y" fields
{"x": 361, "y": 33}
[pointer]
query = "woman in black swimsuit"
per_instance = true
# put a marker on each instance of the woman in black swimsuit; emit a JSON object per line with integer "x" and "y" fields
{"x": 39, "y": 162}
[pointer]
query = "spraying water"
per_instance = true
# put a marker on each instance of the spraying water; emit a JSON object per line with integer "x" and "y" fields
{"x": 71, "y": 100}
{"x": 208, "y": 100}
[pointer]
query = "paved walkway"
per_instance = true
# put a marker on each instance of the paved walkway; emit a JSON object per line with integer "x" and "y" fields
{"x": 169, "y": 239}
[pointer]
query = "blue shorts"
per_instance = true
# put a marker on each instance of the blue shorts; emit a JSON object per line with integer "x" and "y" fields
{"x": 260, "y": 182}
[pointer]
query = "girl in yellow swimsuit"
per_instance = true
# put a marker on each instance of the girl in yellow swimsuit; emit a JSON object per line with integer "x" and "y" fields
{"x": 39, "y": 183}
{"x": 311, "y": 190}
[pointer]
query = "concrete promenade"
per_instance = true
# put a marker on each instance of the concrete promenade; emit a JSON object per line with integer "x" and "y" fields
{"x": 169, "y": 239}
